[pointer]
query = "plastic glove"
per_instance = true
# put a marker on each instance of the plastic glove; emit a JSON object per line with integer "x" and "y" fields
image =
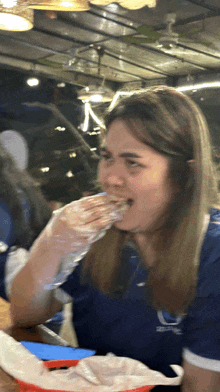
{"x": 68, "y": 236}
{"x": 82, "y": 222}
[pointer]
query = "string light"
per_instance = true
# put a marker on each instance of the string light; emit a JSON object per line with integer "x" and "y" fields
{"x": 60, "y": 129}
{"x": 69, "y": 174}
{"x": 61, "y": 85}
{"x": 117, "y": 95}
{"x": 95, "y": 118}
{"x": 93, "y": 133}
{"x": 45, "y": 169}
{"x": 33, "y": 82}
{"x": 86, "y": 120}
{"x": 72, "y": 154}
{"x": 89, "y": 111}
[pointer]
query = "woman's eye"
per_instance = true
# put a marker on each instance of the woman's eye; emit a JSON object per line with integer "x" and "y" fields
{"x": 105, "y": 157}
{"x": 131, "y": 163}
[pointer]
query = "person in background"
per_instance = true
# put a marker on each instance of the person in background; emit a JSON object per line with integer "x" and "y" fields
{"x": 145, "y": 280}
{"x": 24, "y": 212}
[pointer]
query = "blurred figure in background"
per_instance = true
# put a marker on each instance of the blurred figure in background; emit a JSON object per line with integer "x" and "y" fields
{"x": 24, "y": 212}
{"x": 23, "y": 209}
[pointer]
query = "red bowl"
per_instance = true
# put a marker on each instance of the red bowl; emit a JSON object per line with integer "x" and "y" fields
{"x": 58, "y": 364}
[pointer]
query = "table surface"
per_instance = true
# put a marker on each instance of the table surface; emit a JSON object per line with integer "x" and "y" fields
{"x": 34, "y": 334}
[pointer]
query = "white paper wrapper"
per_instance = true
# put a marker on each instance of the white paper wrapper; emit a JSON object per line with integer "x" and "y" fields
{"x": 92, "y": 374}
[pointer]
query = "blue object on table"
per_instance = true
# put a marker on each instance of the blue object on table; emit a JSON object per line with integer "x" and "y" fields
{"x": 48, "y": 352}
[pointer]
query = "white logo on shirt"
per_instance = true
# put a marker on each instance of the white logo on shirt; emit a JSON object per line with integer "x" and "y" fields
{"x": 169, "y": 323}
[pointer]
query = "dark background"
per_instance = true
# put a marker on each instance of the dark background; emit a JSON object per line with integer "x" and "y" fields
{"x": 90, "y": 49}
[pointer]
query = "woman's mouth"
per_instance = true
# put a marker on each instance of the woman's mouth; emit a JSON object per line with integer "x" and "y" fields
{"x": 129, "y": 202}
{"x": 121, "y": 201}
{"x": 121, "y": 205}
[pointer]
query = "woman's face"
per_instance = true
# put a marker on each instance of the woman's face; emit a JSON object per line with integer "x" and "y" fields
{"x": 136, "y": 172}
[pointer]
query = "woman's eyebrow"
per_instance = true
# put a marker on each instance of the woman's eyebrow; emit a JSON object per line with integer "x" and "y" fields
{"x": 129, "y": 155}
{"x": 125, "y": 154}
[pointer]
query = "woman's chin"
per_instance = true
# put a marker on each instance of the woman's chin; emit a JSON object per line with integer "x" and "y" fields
{"x": 123, "y": 225}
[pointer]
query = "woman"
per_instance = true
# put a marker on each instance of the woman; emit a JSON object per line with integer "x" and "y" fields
{"x": 148, "y": 288}
{"x": 23, "y": 211}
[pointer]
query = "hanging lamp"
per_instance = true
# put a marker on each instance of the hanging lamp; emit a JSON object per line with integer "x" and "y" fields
{"x": 95, "y": 94}
{"x": 60, "y": 5}
{"x": 130, "y": 4}
{"x": 15, "y": 15}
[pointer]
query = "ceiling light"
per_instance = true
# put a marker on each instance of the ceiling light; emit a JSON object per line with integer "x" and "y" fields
{"x": 198, "y": 86}
{"x": 33, "y": 82}
{"x": 69, "y": 174}
{"x": 72, "y": 154}
{"x": 44, "y": 169}
{"x": 96, "y": 97}
{"x": 83, "y": 5}
{"x": 61, "y": 85}
{"x": 130, "y": 4}
{"x": 95, "y": 94}
{"x": 60, "y": 5}
{"x": 15, "y": 15}
{"x": 60, "y": 129}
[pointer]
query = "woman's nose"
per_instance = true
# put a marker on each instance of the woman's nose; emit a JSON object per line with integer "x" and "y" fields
{"x": 111, "y": 174}
{"x": 114, "y": 180}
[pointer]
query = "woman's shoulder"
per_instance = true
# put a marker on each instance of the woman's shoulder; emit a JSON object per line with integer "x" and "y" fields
{"x": 214, "y": 222}
{"x": 213, "y": 228}
{"x": 212, "y": 235}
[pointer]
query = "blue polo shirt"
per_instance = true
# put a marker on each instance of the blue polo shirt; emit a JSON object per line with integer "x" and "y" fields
{"x": 128, "y": 326}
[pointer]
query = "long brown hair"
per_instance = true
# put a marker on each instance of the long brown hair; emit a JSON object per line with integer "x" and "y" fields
{"x": 18, "y": 185}
{"x": 172, "y": 124}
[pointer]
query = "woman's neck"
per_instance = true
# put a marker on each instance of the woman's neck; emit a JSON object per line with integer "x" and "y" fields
{"x": 146, "y": 246}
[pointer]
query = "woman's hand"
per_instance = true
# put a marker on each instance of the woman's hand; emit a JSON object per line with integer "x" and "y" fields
{"x": 72, "y": 228}
{"x": 83, "y": 222}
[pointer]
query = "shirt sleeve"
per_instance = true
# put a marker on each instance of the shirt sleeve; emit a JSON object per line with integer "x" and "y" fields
{"x": 202, "y": 334}
{"x": 202, "y": 327}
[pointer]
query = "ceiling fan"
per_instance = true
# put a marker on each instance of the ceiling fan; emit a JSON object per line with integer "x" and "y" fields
{"x": 167, "y": 39}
